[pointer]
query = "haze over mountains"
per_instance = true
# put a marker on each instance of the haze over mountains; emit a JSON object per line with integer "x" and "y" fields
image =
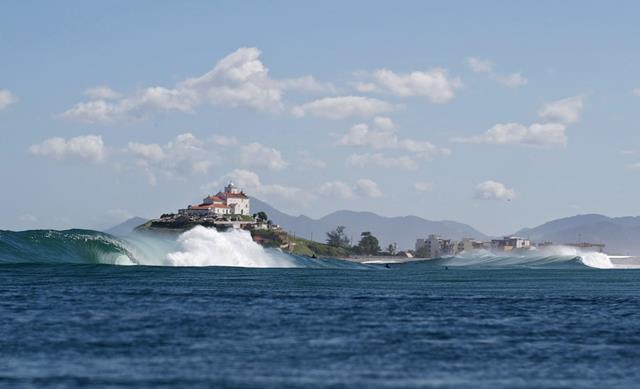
{"x": 621, "y": 235}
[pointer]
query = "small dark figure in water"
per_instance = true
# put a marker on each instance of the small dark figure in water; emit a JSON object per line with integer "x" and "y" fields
{"x": 387, "y": 266}
{"x": 314, "y": 256}
{"x": 446, "y": 268}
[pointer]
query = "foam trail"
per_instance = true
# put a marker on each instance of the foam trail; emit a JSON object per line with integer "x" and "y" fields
{"x": 202, "y": 246}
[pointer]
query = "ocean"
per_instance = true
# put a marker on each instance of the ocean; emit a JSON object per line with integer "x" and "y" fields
{"x": 82, "y": 309}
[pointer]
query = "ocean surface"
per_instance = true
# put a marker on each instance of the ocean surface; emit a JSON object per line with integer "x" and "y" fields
{"x": 71, "y": 317}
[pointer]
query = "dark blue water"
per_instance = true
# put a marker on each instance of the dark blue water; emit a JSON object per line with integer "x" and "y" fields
{"x": 409, "y": 326}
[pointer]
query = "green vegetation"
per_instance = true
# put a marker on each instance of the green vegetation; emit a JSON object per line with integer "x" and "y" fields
{"x": 368, "y": 244}
{"x": 337, "y": 238}
{"x": 295, "y": 245}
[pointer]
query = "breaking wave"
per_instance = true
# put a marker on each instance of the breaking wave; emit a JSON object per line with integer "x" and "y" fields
{"x": 199, "y": 246}
{"x": 556, "y": 257}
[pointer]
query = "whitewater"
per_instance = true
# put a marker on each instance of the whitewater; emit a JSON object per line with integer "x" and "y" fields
{"x": 204, "y": 247}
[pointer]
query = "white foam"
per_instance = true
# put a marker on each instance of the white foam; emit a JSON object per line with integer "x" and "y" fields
{"x": 202, "y": 246}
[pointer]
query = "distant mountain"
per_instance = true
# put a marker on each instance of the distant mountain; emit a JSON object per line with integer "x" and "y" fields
{"x": 403, "y": 230}
{"x": 621, "y": 235}
{"x": 126, "y": 227}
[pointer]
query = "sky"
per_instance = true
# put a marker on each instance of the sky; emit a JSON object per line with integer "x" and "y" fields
{"x": 498, "y": 114}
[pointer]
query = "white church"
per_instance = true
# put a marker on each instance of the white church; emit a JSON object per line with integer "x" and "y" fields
{"x": 232, "y": 201}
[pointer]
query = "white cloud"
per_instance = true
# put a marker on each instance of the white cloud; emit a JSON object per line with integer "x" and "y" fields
{"x": 95, "y": 111}
{"x": 435, "y": 84}
{"x": 380, "y": 160}
{"x": 255, "y": 154}
{"x": 238, "y": 80}
{"x": 383, "y": 137}
{"x": 383, "y": 123}
{"x": 540, "y": 135}
{"x": 150, "y": 151}
{"x": 423, "y": 186}
{"x": 363, "y": 187}
{"x": 479, "y": 65}
{"x": 6, "y": 98}
{"x": 565, "y": 110}
{"x": 484, "y": 66}
{"x": 636, "y": 92}
{"x": 335, "y": 189}
{"x": 184, "y": 155}
{"x": 343, "y": 107}
{"x": 493, "y": 190}
{"x": 88, "y": 147}
{"x": 368, "y": 188}
{"x": 548, "y": 135}
{"x": 251, "y": 183}
{"x": 102, "y": 92}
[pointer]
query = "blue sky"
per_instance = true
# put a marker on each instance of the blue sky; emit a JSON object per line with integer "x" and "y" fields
{"x": 500, "y": 114}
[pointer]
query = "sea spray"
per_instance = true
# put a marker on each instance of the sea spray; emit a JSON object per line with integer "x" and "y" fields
{"x": 202, "y": 246}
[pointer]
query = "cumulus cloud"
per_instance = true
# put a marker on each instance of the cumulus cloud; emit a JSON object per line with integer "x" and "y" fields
{"x": 435, "y": 84}
{"x": 484, "y": 66}
{"x": 368, "y": 188}
{"x": 238, "y": 80}
{"x": 250, "y": 182}
{"x": 182, "y": 156}
{"x": 335, "y": 189}
{"x": 423, "y": 186}
{"x": 255, "y": 154}
{"x": 363, "y": 187}
{"x": 383, "y": 123}
{"x": 6, "y": 98}
{"x": 342, "y": 107}
{"x": 382, "y": 136}
{"x": 87, "y": 147}
{"x": 550, "y": 134}
{"x": 493, "y": 190}
{"x": 541, "y": 135}
{"x": 380, "y": 160}
{"x": 480, "y": 65}
{"x": 565, "y": 110}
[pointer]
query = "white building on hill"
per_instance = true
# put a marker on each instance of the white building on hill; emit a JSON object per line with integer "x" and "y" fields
{"x": 232, "y": 201}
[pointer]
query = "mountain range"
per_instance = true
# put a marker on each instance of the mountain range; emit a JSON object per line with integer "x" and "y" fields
{"x": 402, "y": 230}
{"x": 621, "y": 235}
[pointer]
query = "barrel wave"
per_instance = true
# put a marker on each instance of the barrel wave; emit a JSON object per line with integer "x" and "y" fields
{"x": 199, "y": 246}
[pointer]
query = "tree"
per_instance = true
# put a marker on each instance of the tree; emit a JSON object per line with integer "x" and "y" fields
{"x": 368, "y": 244}
{"x": 261, "y": 216}
{"x": 337, "y": 238}
{"x": 391, "y": 249}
